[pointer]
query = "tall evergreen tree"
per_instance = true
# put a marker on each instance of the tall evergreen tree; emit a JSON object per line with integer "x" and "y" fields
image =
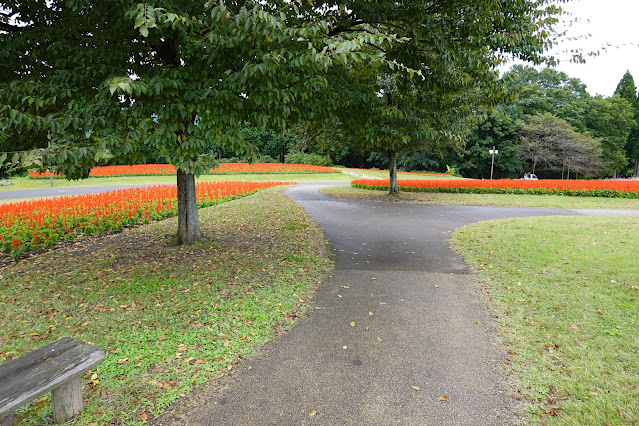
{"x": 628, "y": 90}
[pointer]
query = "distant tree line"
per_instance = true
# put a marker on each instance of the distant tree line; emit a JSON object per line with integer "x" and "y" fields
{"x": 551, "y": 127}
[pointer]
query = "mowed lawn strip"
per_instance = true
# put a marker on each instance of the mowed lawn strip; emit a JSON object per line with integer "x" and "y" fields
{"x": 499, "y": 200}
{"x": 383, "y": 174}
{"x": 170, "y": 318}
{"x": 566, "y": 293}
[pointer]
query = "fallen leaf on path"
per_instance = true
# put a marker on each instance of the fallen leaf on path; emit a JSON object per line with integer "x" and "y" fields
{"x": 345, "y": 286}
{"x": 312, "y": 414}
{"x": 371, "y": 314}
{"x": 353, "y": 324}
{"x": 415, "y": 388}
{"x": 444, "y": 398}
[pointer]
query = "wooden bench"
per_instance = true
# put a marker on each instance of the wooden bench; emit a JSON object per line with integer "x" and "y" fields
{"x": 56, "y": 367}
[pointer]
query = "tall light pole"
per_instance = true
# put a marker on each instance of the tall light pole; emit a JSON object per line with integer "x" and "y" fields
{"x": 492, "y": 165}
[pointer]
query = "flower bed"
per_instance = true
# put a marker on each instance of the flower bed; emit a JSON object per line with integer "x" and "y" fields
{"x": 223, "y": 168}
{"x": 31, "y": 225}
{"x": 580, "y": 188}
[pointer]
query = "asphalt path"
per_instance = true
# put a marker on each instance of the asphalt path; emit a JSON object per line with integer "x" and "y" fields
{"x": 58, "y": 192}
{"x": 401, "y": 323}
{"x": 9, "y": 194}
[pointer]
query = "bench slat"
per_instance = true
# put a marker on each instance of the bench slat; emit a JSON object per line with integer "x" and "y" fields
{"x": 31, "y": 375}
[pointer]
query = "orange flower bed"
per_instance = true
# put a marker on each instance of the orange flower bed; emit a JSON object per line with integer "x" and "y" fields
{"x": 583, "y": 188}
{"x": 223, "y": 168}
{"x": 31, "y": 225}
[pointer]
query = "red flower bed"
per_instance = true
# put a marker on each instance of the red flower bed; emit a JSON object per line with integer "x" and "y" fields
{"x": 584, "y": 188}
{"x": 32, "y": 225}
{"x": 223, "y": 168}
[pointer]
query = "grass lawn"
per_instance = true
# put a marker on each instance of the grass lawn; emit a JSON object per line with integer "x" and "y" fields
{"x": 169, "y": 318}
{"x": 383, "y": 174}
{"x": 566, "y": 295}
{"x": 501, "y": 200}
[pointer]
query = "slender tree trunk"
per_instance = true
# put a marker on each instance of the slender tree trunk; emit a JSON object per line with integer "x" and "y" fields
{"x": 636, "y": 171}
{"x": 188, "y": 220}
{"x": 328, "y": 155}
{"x": 534, "y": 165}
{"x": 392, "y": 171}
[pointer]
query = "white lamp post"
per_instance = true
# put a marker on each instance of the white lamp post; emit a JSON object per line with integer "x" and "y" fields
{"x": 492, "y": 165}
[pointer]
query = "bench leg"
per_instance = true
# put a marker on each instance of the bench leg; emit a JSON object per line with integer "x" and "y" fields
{"x": 67, "y": 400}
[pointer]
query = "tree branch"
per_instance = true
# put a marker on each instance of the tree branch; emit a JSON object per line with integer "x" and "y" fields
{"x": 11, "y": 28}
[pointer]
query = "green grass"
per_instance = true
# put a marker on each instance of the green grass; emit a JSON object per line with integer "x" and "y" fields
{"x": 565, "y": 290}
{"x": 383, "y": 174}
{"x": 500, "y": 200}
{"x": 169, "y": 318}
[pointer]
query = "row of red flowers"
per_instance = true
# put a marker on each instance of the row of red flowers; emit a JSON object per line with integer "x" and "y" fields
{"x": 222, "y": 168}
{"x": 582, "y": 188}
{"x": 31, "y": 225}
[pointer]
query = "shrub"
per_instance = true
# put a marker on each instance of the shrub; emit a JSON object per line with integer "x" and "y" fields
{"x": 267, "y": 159}
{"x": 303, "y": 158}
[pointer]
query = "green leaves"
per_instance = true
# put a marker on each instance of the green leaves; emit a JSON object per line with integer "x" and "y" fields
{"x": 146, "y": 18}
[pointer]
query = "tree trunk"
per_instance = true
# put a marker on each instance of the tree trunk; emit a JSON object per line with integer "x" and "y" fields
{"x": 636, "y": 171}
{"x": 188, "y": 220}
{"x": 328, "y": 155}
{"x": 392, "y": 171}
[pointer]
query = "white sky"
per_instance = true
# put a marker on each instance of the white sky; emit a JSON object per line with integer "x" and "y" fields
{"x": 609, "y": 22}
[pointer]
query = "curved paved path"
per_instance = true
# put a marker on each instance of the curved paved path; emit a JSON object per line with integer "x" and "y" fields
{"x": 58, "y": 192}
{"x": 420, "y": 319}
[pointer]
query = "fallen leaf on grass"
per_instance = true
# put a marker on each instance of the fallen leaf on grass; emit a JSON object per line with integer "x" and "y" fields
{"x": 143, "y": 416}
{"x": 122, "y": 360}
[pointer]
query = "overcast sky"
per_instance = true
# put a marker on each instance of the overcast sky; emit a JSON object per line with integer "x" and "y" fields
{"x": 609, "y": 22}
